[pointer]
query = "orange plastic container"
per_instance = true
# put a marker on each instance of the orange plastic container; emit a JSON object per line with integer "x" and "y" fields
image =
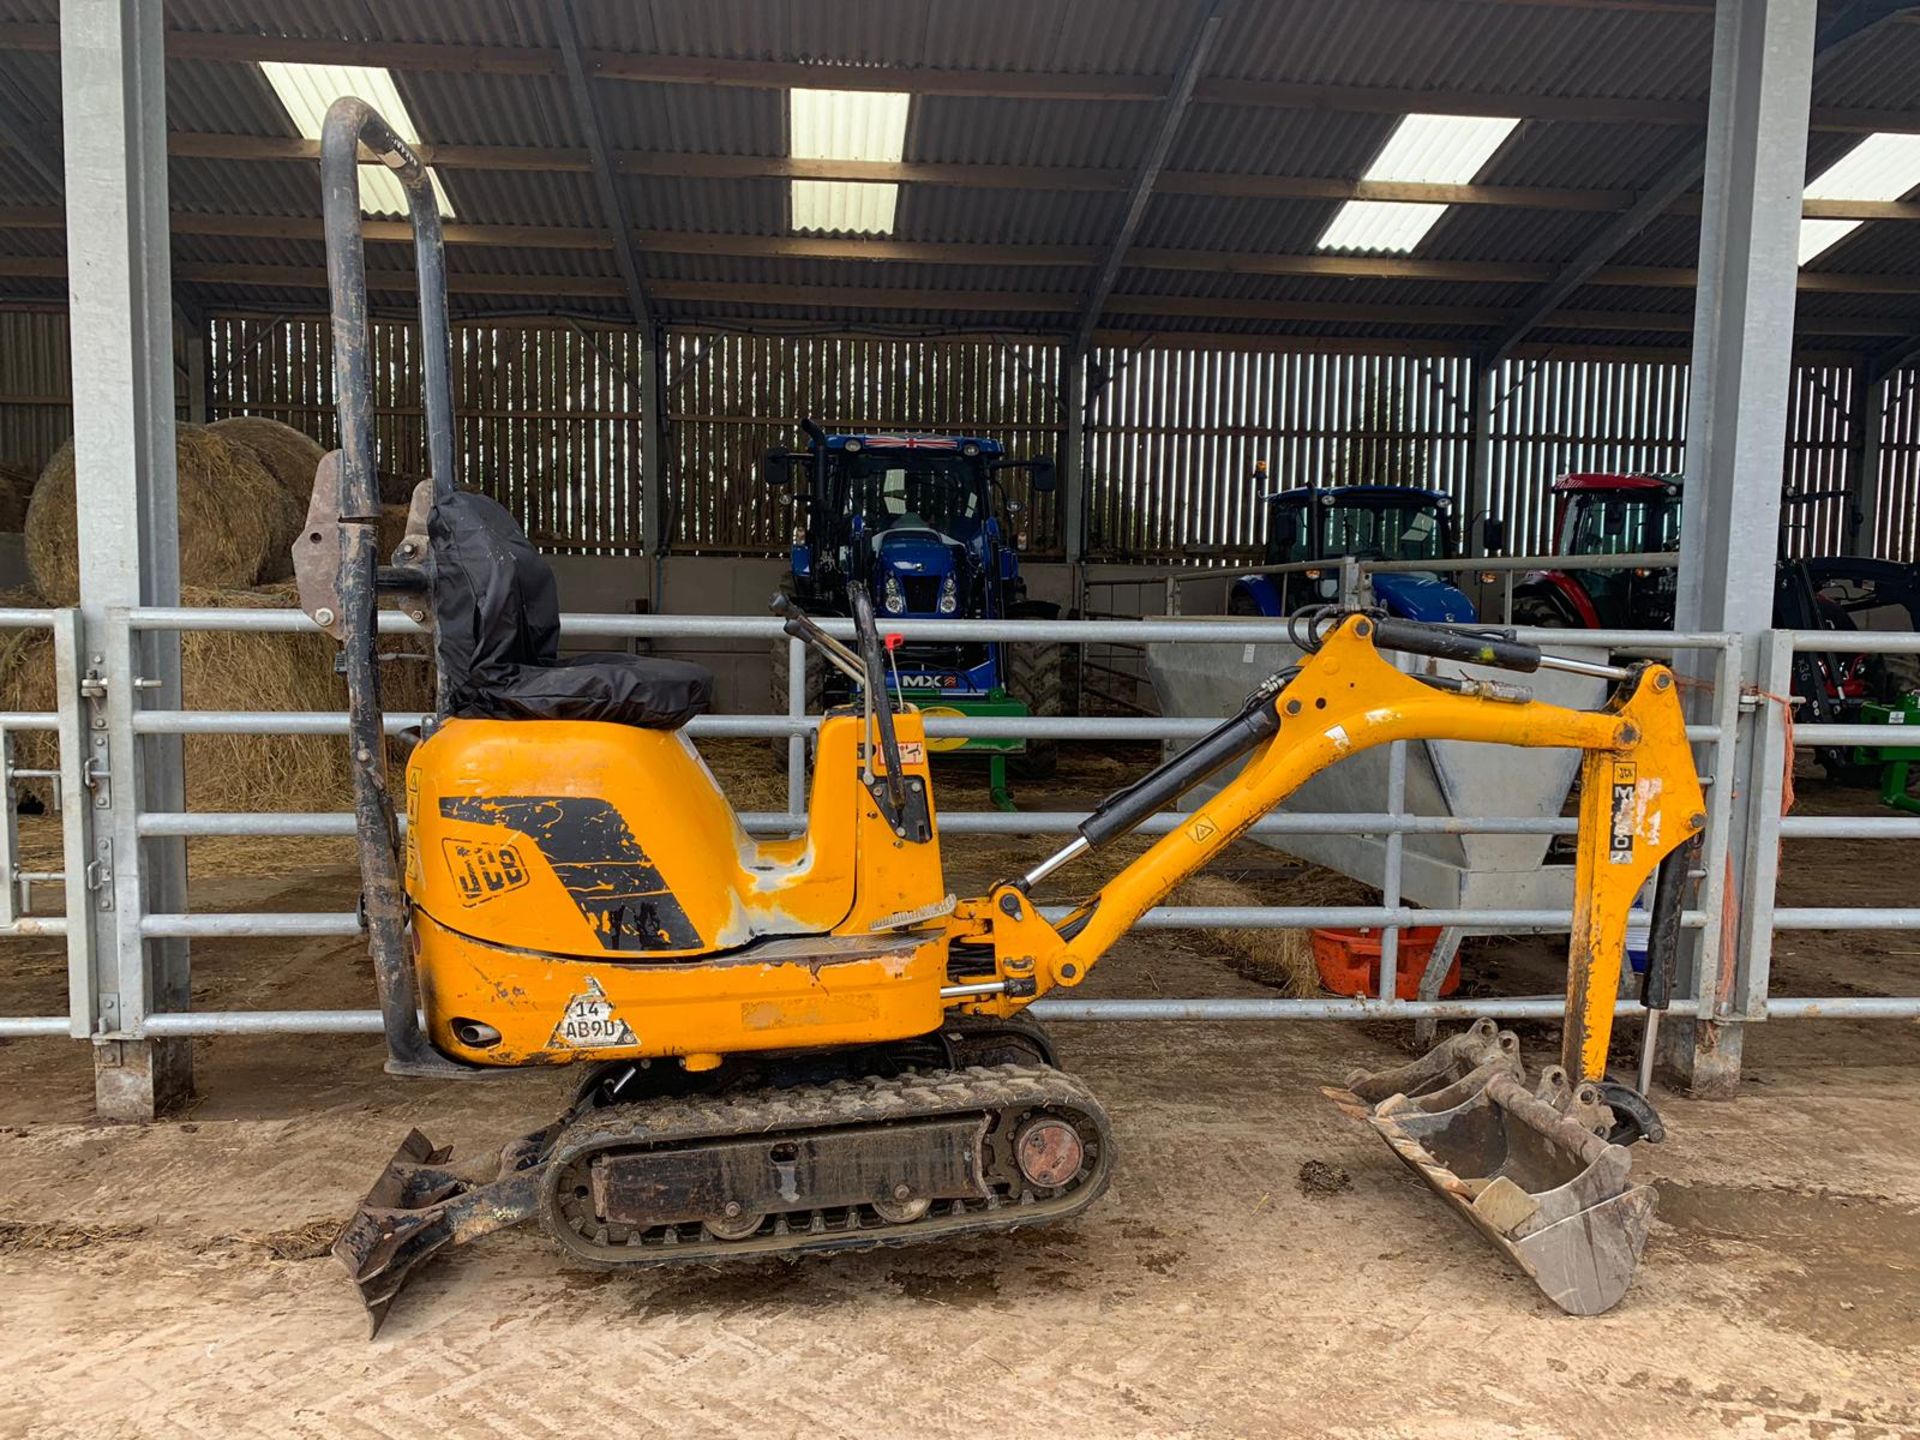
{"x": 1349, "y": 961}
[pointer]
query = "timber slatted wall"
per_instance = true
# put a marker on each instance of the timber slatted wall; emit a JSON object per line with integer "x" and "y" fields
{"x": 1895, "y": 523}
{"x": 547, "y": 418}
{"x": 1176, "y": 434}
{"x": 549, "y": 423}
{"x": 732, "y": 397}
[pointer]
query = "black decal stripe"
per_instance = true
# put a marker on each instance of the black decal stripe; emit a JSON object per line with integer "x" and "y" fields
{"x": 587, "y": 842}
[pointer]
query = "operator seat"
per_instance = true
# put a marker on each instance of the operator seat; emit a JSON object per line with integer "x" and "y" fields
{"x": 497, "y": 620}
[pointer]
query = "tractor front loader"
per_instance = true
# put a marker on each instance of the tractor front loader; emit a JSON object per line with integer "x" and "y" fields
{"x": 810, "y": 1044}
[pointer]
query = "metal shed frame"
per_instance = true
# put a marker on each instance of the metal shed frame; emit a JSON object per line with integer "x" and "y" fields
{"x": 119, "y": 681}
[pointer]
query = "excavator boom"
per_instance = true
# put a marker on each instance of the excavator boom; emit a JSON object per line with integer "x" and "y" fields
{"x": 1640, "y": 800}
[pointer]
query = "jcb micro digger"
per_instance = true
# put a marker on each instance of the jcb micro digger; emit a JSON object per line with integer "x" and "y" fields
{"x": 810, "y": 1044}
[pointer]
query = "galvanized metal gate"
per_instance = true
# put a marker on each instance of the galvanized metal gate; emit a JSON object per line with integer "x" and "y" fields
{"x": 1744, "y": 729}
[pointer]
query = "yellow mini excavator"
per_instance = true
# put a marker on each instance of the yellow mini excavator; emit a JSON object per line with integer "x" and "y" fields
{"x": 809, "y": 1044}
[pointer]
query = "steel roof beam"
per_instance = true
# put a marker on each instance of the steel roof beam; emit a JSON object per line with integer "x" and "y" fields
{"x": 233, "y": 48}
{"x": 1897, "y": 356}
{"x": 36, "y": 146}
{"x": 1854, "y": 19}
{"x": 1173, "y": 111}
{"x": 613, "y": 210}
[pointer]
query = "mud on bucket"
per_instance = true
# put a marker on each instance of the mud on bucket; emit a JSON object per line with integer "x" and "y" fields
{"x": 1532, "y": 1171}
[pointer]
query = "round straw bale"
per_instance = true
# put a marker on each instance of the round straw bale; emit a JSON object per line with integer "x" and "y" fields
{"x": 236, "y": 520}
{"x": 291, "y": 456}
{"x": 239, "y": 670}
{"x": 16, "y": 489}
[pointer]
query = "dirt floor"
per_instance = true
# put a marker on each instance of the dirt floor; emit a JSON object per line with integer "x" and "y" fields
{"x": 1260, "y": 1266}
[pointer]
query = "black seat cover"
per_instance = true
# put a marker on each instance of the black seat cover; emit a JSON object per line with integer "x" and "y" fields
{"x": 498, "y": 616}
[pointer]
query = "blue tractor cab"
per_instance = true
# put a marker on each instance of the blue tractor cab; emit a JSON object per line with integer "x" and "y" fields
{"x": 924, "y": 524}
{"x": 1325, "y": 523}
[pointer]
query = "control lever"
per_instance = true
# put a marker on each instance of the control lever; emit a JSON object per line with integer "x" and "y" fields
{"x": 879, "y": 702}
{"x": 801, "y": 626}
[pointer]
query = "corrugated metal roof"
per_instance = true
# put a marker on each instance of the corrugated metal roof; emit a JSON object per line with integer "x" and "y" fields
{"x": 1433, "y": 46}
{"x": 1528, "y": 50}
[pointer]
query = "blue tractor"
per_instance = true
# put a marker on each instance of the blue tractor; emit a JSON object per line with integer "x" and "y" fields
{"x": 923, "y": 523}
{"x": 1326, "y": 523}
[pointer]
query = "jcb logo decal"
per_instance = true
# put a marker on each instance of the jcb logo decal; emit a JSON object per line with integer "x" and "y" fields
{"x": 482, "y": 870}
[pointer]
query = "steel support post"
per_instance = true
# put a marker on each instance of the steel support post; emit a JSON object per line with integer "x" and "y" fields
{"x": 193, "y": 351}
{"x": 1736, "y": 448}
{"x": 653, "y": 479}
{"x": 1072, "y": 467}
{"x": 113, "y": 83}
{"x": 1862, "y": 534}
{"x": 1485, "y": 400}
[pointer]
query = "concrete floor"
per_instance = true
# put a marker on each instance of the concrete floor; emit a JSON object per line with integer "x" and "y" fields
{"x": 166, "y": 1279}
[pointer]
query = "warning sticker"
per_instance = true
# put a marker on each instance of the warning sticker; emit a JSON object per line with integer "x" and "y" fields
{"x": 1202, "y": 830}
{"x": 413, "y": 828}
{"x": 590, "y": 1023}
{"x": 1625, "y": 813}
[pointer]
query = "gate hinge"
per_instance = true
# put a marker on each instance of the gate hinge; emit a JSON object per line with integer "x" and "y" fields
{"x": 100, "y": 873}
{"x": 95, "y": 775}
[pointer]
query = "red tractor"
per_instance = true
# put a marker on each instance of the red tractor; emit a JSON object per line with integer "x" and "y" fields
{"x": 1603, "y": 514}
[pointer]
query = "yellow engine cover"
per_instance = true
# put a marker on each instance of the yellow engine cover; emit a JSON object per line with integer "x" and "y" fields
{"x": 586, "y": 891}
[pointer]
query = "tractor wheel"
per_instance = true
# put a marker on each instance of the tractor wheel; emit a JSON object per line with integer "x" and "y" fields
{"x": 1037, "y": 677}
{"x": 1542, "y": 612}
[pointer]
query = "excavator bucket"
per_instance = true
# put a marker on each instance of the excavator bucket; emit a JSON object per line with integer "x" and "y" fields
{"x": 418, "y": 1207}
{"x": 1532, "y": 1171}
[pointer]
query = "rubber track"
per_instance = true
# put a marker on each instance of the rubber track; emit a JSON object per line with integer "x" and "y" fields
{"x": 838, "y": 1105}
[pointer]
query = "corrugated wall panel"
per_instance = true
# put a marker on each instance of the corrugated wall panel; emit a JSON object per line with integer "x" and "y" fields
{"x": 1554, "y": 417}
{"x": 1822, "y": 458}
{"x": 1177, "y": 435}
{"x": 36, "y": 408}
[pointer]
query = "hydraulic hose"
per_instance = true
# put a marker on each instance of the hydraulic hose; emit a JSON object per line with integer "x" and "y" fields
{"x": 1121, "y": 811}
{"x": 1485, "y": 648}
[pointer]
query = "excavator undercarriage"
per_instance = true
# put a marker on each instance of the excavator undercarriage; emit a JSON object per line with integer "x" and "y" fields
{"x": 971, "y": 1131}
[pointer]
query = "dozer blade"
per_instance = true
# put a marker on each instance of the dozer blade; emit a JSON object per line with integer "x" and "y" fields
{"x": 417, "y": 1207}
{"x": 1532, "y": 1172}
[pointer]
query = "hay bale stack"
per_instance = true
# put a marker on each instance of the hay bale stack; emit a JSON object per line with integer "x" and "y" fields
{"x": 236, "y": 520}
{"x": 226, "y": 670}
{"x": 16, "y": 490}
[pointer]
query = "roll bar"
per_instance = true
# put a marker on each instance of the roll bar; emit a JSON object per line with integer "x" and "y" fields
{"x": 352, "y": 124}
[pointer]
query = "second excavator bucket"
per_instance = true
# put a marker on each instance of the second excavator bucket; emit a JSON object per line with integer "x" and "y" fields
{"x": 1532, "y": 1171}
